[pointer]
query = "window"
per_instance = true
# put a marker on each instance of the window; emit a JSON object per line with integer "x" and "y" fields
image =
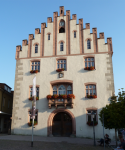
{"x": 4, "y": 101}
{"x": 61, "y": 26}
{"x": 36, "y": 48}
{"x": 89, "y": 62}
{"x": 69, "y": 90}
{"x": 61, "y": 46}
{"x": 48, "y": 36}
{"x": 8, "y": 103}
{"x": 61, "y": 64}
{"x": 5, "y": 87}
{"x": 88, "y": 44}
{"x": 36, "y": 116}
{"x": 37, "y": 91}
{"x": 90, "y": 90}
{"x": 62, "y": 89}
{"x": 35, "y": 65}
{"x": 54, "y": 90}
{"x": 61, "y": 11}
{"x": 89, "y": 117}
{"x": 74, "y": 34}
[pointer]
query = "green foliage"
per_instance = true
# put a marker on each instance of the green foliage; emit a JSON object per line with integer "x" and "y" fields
{"x": 114, "y": 113}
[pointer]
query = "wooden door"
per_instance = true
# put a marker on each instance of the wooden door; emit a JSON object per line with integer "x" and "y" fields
{"x": 62, "y": 125}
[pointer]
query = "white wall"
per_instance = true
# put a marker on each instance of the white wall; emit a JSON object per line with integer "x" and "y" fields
{"x": 79, "y": 76}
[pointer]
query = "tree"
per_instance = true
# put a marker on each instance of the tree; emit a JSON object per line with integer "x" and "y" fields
{"x": 114, "y": 114}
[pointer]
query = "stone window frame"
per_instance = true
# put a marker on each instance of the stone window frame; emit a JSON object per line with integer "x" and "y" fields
{"x": 88, "y": 56}
{"x": 36, "y": 43}
{"x": 90, "y": 83}
{"x": 60, "y": 82}
{"x": 88, "y": 39}
{"x": 30, "y": 112}
{"x": 35, "y": 60}
{"x": 74, "y": 33}
{"x": 66, "y": 85}
{"x": 37, "y": 86}
{"x": 48, "y": 35}
{"x": 91, "y": 109}
{"x": 61, "y": 42}
{"x": 61, "y": 58}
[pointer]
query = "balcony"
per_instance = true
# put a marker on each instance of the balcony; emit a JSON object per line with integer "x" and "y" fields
{"x": 60, "y": 102}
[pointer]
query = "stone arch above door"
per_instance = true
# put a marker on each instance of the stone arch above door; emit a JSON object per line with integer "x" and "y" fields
{"x": 51, "y": 116}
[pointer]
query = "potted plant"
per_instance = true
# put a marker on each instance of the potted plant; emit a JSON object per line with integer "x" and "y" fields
{"x": 37, "y": 98}
{"x": 60, "y": 70}
{"x": 71, "y": 96}
{"x": 86, "y": 68}
{"x": 64, "y": 96}
{"x": 90, "y": 123}
{"x": 31, "y": 71}
{"x": 55, "y": 96}
{"x": 49, "y": 96}
{"x": 30, "y": 123}
{"x": 31, "y": 98}
{"x": 91, "y": 96}
{"x": 34, "y": 71}
{"x": 94, "y": 96}
{"x": 91, "y": 68}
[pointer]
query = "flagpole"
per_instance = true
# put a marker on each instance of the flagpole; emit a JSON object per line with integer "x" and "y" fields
{"x": 33, "y": 106}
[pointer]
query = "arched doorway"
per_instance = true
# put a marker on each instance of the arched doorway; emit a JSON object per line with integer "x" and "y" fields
{"x": 62, "y": 125}
{"x": 53, "y": 114}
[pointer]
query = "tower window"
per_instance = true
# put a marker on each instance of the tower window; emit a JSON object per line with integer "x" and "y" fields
{"x": 61, "y": 46}
{"x": 74, "y": 34}
{"x": 61, "y": 11}
{"x": 88, "y": 44}
{"x": 48, "y": 36}
{"x": 36, "y": 48}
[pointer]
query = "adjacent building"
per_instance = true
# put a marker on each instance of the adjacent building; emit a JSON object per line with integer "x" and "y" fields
{"x": 6, "y": 103}
{"x": 75, "y": 66}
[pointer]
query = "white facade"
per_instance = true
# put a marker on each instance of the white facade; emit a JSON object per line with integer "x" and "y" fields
{"x": 101, "y": 76}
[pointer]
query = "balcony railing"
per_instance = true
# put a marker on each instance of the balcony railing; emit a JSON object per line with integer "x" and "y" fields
{"x": 61, "y": 102}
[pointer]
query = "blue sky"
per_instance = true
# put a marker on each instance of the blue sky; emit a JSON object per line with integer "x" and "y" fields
{"x": 19, "y": 18}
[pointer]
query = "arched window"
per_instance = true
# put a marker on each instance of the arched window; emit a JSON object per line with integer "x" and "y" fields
{"x": 48, "y": 36}
{"x": 61, "y": 90}
{"x": 88, "y": 44}
{"x": 61, "y": 46}
{"x": 69, "y": 90}
{"x": 74, "y": 34}
{"x": 61, "y": 26}
{"x": 54, "y": 90}
{"x": 36, "y": 48}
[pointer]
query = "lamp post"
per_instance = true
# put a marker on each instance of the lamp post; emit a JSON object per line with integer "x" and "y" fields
{"x": 93, "y": 114}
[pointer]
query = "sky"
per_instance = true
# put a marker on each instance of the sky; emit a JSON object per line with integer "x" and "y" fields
{"x": 19, "y": 18}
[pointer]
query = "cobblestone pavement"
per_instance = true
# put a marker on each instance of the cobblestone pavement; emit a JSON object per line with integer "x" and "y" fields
{"x": 40, "y": 145}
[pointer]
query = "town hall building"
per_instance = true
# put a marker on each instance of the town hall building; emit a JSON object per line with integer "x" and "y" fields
{"x": 74, "y": 76}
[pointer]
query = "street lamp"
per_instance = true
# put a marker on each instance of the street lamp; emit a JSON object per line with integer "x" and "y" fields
{"x": 92, "y": 115}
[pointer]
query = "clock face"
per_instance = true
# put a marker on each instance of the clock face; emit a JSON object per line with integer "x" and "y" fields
{"x": 61, "y": 23}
